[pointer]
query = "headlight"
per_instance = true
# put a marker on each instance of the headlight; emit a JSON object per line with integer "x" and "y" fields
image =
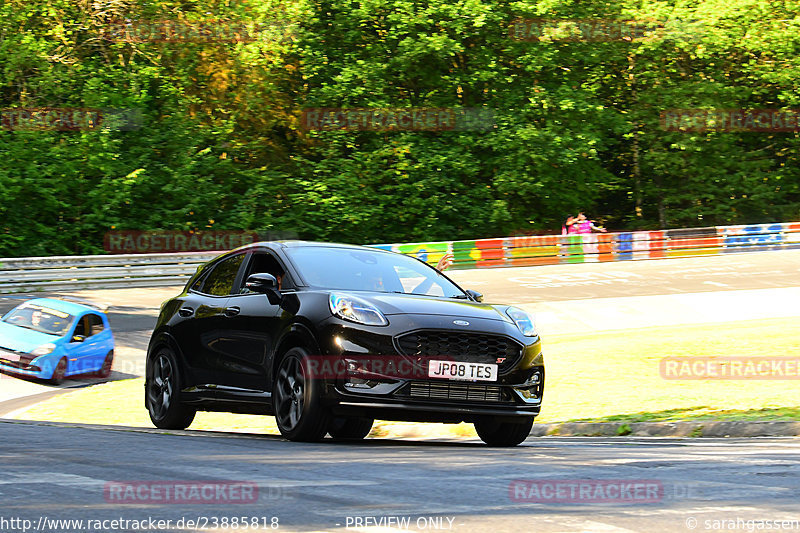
{"x": 44, "y": 349}
{"x": 523, "y": 320}
{"x": 356, "y": 310}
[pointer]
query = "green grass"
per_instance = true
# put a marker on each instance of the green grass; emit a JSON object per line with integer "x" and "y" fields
{"x": 789, "y": 414}
{"x": 610, "y": 376}
{"x": 616, "y": 374}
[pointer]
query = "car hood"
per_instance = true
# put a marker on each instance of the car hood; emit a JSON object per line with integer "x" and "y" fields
{"x": 22, "y": 339}
{"x": 412, "y": 304}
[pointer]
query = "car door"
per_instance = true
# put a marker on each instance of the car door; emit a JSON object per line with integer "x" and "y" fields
{"x": 207, "y": 325}
{"x": 79, "y": 348}
{"x": 252, "y": 325}
{"x": 100, "y": 342}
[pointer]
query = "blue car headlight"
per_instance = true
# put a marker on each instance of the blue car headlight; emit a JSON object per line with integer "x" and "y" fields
{"x": 523, "y": 320}
{"x": 356, "y": 310}
{"x": 44, "y": 349}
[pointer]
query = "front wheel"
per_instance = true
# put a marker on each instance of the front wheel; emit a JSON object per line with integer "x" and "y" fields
{"x": 296, "y": 398}
{"x": 59, "y": 371}
{"x": 161, "y": 393}
{"x": 350, "y": 428}
{"x": 495, "y": 433}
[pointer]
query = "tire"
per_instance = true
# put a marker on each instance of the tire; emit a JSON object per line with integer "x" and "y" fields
{"x": 350, "y": 428}
{"x": 58, "y": 372}
{"x": 162, "y": 392}
{"x": 296, "y": 400}
{"x": 105, "y": 370}
{"x": 502, "y": 434}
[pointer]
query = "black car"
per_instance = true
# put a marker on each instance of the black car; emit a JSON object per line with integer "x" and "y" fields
{"x": 328, "y": 337}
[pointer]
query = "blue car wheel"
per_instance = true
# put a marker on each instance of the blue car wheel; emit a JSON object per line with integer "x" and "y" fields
{"x": 59, "y": 371}
{"x": 105, "y": 370}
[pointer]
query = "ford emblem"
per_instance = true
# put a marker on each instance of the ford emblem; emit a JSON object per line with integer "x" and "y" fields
{"x": 460, "y": 322}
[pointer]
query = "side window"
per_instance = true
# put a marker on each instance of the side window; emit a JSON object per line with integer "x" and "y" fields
{"x": 95, "y": 324}
{"x": 198, "y": 285}
{"x": 262, "y": 262}
{"x": 80, "y": 327}
{"x": 220, "y": 281}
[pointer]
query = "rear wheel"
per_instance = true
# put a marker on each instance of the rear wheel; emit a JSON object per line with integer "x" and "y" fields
{"x": 296, "y": 398}
{"x": 161, "y": 393}
{"x": 350, "y": 428}
{"x": 496, "y": 433}
{"x": 105, "y": 370}
{"x": 58, "y": 372}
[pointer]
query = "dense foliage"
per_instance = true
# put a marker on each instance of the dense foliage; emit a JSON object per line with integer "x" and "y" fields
{"x": 221, "y": 144}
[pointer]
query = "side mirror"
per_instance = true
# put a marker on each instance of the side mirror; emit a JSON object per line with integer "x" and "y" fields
{"x": 474, "y": 295}
{"x": 265, "y": 284}
{"x": 78, "y": 338}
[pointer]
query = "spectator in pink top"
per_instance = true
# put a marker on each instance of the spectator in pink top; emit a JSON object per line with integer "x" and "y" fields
{"x": 581, "y": 224}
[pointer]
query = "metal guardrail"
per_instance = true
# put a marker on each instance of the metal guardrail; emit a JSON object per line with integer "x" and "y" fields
{"x": 98, "y": 271}
{"x": 160, "y": 270}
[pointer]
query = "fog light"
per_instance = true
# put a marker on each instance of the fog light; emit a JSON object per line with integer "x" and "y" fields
{"x": 356, "y": 383}
{"x": 528, "y": 394}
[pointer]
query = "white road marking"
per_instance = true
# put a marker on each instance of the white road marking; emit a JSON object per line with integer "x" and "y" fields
{"x": 593, "y": 526}
{"x": 50, "y": 478}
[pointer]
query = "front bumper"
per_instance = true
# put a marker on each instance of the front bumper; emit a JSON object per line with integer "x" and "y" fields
{"x": 517, "y": 391}
{"x": 21, "y": 364}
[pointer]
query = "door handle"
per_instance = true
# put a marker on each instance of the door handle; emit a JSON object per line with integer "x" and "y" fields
{"x": 231, "y": 311}
{"x": 186, "y": 311}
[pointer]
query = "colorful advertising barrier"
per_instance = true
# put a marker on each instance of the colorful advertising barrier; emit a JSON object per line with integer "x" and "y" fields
{"x": 602, "y": 247}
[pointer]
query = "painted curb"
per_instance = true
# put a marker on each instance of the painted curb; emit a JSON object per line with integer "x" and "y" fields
{"x": 700, "y": 428}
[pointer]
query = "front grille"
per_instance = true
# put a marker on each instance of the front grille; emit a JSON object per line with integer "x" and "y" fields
{"x": 463, "y": 346}
{"x": 447, "y": 390}
{"x": 5, "y": 358}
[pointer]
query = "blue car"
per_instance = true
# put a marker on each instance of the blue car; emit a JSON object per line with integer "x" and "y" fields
{"x": 49, "y": 338}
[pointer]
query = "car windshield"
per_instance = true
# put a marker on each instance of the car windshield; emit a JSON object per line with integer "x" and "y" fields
{"x": 40, "y": 318}
{"x": 366, "y": 270}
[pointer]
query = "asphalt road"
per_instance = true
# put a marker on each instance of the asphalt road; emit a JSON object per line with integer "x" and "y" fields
{"x": 63, "y": 472}
{"x": 552, "y": 283}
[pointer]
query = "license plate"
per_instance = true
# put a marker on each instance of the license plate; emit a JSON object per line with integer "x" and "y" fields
{"x": 10, "y": 357}
{"x": 460, "y": 371}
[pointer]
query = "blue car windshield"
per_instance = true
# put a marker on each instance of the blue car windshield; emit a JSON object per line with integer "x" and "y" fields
{"x": 367, "y": 270}
{"x": 40, "y": 318}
